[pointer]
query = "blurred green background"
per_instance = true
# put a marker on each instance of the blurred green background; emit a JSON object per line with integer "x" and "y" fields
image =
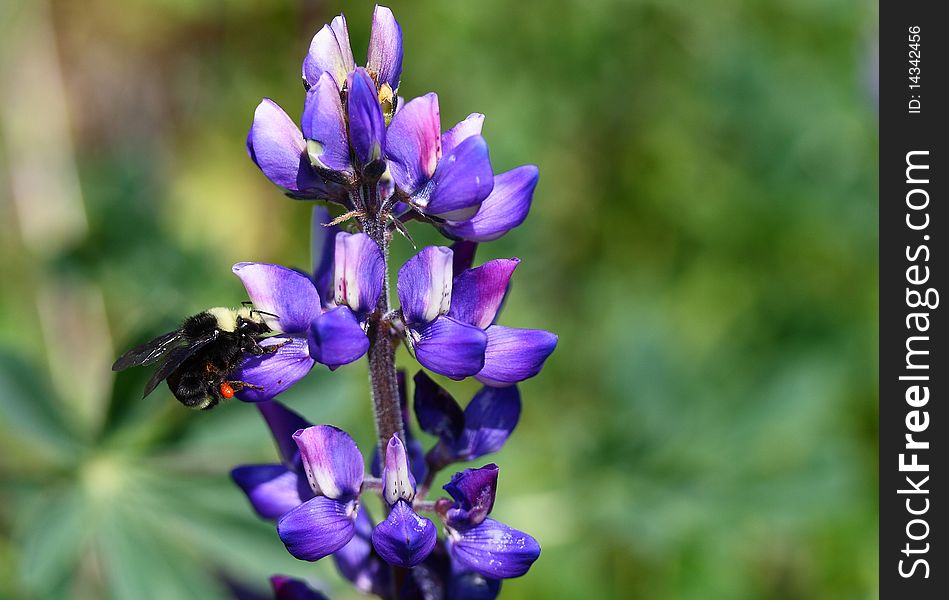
{"x": 703, "y": 240}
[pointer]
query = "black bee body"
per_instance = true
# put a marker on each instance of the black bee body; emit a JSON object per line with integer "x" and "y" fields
{"x": 199, "y": 357}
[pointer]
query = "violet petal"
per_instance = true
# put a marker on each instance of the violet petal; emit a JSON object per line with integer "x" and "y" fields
{"x": 385, "y": 48}
{"x": 505, "y": 208}
{"x": 329, "y": 52}
{"x": 468, "y": 585}
{"x": 404, "y": 538}
{"x": 272, "y": 489}
{"x": 332, "y": 461}
{"x": 276, "y": 145}
{"x": 436, "y": 410}
{"x": 450, "y": 348}
{"x": 490, "y": 418}
{"x": 288, "y": 588}
{"x": 323, "y": 253}
{"x": 288, "y": 294}
{"x": 424, "y": 285}
{"x": 462, "y": 131}
{"x": 413, "y": 143}
{"x": 463, "y": 255}
{"x": 461, "y": 181}
{"x": 318, "y": 527}
{"x": 336, "y": 338}
{"x": 367, "y": 130}
{"x": 495, "y": 550}
{"x": 398, "y": 482}
{"x": 474, "y": 491}
{"x": 273, "y": 373}
{"x": 477, "y": 293}
{"x": 325, "y": 123}
{"x": 513, "y": 355}
{"x": 360, "y": 272}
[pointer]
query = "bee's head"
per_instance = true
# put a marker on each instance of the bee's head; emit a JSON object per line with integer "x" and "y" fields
{"x": 252, "y": 321}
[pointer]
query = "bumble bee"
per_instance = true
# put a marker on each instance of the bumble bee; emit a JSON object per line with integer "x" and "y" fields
{"x": 198, "y": 358}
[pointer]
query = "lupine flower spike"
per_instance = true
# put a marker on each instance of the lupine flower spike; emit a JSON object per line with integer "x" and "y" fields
{"x": 380, "y": 163}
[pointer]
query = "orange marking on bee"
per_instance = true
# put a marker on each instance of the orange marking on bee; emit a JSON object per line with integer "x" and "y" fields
{"x": 226, "y": 390}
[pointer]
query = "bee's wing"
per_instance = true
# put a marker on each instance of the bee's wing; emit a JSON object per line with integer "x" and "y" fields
{"x": 176, "y": 357}
{"x": 149, "y": 352}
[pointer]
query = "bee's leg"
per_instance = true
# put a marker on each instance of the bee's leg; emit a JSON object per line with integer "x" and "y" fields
{"x": 239, "y": 385}
{"x": 252, "y": 346}
{"x": 275, "y": 347}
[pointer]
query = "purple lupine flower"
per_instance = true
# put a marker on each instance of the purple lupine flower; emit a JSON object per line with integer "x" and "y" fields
{"x": 505, "y": 208}
{"x": 404, "y": 538}
{"x": 334, "y": 469}
{"x": 441, "y": 343}
{"x": 274, "y": 489}
{"x": 331, "y": 53}
{"x": 315, "y": 163}
{"x": 289, "y": 588}
{"x": 477, "y": 542}
{"x": 312, "y": 329}
{"x": 442, "y": 314}
{"x": 337, "y": 337}
{"x": 446, "y": 176}
{"x": 291, "y": 296}
{"x": 512, "y": 354}
{"x": 278, "y": 148}
{"x": 482, "y": 428}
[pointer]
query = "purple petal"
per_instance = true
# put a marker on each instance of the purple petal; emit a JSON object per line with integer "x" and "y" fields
{"x": 398, "y": 483}
{"x": 404, "y": 539}
{"x": 337, "y": 338}
{"x": 287, "y": 588}
{"x": 283, "y": 423}
{"x": 425, "y": 285}
{"x": 272, "y": 489}
{"x": 490, "y": 418}
{"x": 367, "y": 129}
{"x": 450, "y": 348}
{"x": 463, "y": 255}
{"x": 323, "y": 252}
{"x": 325, "y": 124}
{"x": 276, "y": 146}
{"x": 514, "y": 355}
{"x": 495, "y": 550}
{"x": 413, "y": 143}
{"x": 504, "y": 209}
{"x": 468, "y": 585}
{"x": 416, "y": 458}
{"x": 318, "y": 527}
{"x": 357, "y": 562}
{"x": 273, "y": 373}
{"x": 329, "y": 52}
{"x": 474, "y": 491}
{"x": 360, "y": 272}
{"x": 462, "y": 131}
{"x": 436, "y": 410}
{"x": 477, "y": 293}
{"x": 280, "y": 291}
{"x": 462, "y": 180}
{"x": 384, "y": 60}
{"x": 331, "y": 460}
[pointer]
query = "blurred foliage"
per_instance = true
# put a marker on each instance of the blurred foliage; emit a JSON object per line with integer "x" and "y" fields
{"x": 703, "y": 239}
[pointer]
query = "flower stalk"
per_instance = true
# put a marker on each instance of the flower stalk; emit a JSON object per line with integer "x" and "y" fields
{"x": 383, "y": 380}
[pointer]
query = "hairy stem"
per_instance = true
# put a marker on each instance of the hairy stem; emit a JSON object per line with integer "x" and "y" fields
{"x": 382, "y": 374}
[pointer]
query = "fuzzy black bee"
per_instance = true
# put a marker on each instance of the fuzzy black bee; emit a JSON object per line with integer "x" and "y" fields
{"x": 198, "y": 358}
